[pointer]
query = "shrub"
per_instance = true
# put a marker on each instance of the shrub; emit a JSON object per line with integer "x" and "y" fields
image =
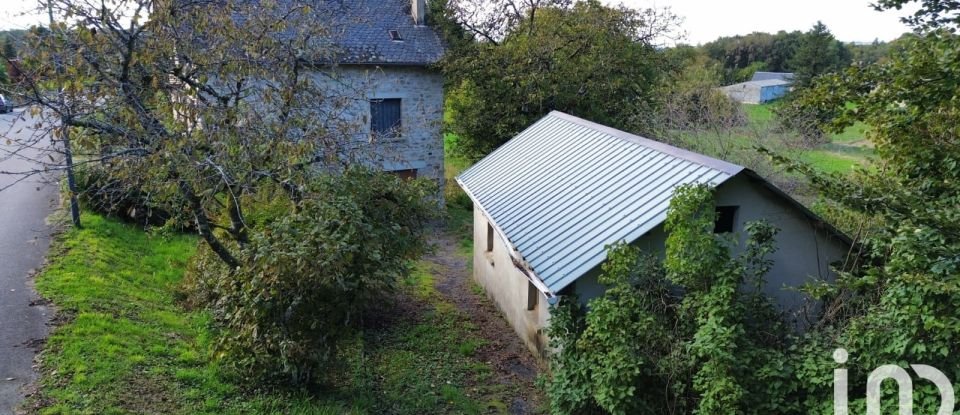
{"x": 793, "y": 115}
{"x": 677, "y": 335}
{"x": 122, "y": 199}
{"x": 307, "y": 276}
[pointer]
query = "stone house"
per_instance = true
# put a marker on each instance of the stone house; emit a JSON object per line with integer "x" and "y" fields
{"x": 384, "y": 66}
{"x": 382, "y": 91}
{"x": 548, "y": 202}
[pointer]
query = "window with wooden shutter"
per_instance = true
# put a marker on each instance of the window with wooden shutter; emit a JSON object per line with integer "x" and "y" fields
{"x": 489, "y": 238}
{"x": 385, "y": 118}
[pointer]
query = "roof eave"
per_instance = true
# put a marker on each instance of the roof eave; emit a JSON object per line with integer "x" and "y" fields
{"x": 518, "y": 262}
{"x": 421, "y": 64}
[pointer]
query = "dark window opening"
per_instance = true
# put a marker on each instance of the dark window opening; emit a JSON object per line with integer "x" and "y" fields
{"x": 489, "y": 238}
{"x": 395, "y": 36}
{"x": 533, "y": 295}
{"x": 726, "y": 218}
{"x": 405, "y": 174}
{"x": 385, "y": 118}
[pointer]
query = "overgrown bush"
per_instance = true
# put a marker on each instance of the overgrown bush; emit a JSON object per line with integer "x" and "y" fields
{"x": 307, "y": 275}
{"x": 692, "y": 334}
{"x": 616, "y": 357}
{"x": 123, "y": 199}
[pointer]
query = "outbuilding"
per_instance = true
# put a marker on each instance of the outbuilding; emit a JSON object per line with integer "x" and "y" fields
{"x": 548, "y": 202}
{"x": 757, "y": 92}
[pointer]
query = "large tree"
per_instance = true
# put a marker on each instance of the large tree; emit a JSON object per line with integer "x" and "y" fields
{"x": 740, "y": 56}
{"x": 899, "y": 305}
{"x": 186, "y": 101}
{"x": 818, "y": 52}
{"x": 220, "y": 113}
{"x": 587, "y": 59}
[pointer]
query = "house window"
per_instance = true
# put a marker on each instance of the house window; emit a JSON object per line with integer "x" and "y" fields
{"x": 385, "y": 118}
{"x": 726, "y": 217}
{"x": 405, "y": 174}
{"x": 489, "y": 238}
{"x": 533, "y": 295}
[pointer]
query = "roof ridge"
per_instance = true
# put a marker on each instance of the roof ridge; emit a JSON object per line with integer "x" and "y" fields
{"x": 688, "y": 155}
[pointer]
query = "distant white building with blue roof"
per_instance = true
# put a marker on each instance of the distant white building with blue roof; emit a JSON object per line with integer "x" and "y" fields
{"x": 762, "y": 88}
{"x": 548, "y": 202}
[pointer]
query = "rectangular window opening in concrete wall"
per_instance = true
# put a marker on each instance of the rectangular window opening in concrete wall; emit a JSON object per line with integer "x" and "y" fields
{"x": 533, "y": 296}
{"x": 489, "y": 238}
{"x": 726, "y": 218}
{"x": 488, "y": 252}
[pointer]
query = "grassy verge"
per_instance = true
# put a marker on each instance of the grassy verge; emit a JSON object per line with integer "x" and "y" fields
{"x": 459, "y": 206}
{"x": 126, "y": 345}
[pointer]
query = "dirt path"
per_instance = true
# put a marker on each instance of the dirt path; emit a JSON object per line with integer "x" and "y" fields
{"x": 513, "y": 365}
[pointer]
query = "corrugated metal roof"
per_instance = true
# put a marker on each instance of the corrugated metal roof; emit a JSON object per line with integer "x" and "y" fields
{"x": 763, "y": 76}
{"x": 565, "y": 187}
{"x": 756, "y": 84}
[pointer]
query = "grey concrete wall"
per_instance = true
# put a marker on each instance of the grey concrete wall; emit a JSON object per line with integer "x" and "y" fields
{"x": 508, "y": 287}
{"x": 805, "y": 251}
{"x": 420, "y": 145}
{"x": 745, "y": 93}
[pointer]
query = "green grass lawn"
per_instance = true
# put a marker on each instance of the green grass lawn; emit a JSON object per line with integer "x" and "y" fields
{"x": 842, "y": 154}
{"x": 759, "y": 115}
{"x": 126, "y": 345}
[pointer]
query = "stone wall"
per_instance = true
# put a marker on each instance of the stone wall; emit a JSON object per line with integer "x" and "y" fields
{"x": 420, "y": 144}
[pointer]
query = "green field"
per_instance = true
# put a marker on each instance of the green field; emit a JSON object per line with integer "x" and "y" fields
{"x": 842, "y": 154}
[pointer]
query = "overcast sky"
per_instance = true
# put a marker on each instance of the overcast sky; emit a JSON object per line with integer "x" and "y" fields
{"x": 848, "y": 20}
{"x": 704, "y": 20}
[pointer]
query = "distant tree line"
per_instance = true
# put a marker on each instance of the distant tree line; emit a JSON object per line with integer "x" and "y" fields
{"x": 509, "y": 68}
{"x": 807, "y": 54}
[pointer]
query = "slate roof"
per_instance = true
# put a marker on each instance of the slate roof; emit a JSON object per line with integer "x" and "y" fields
{"x": 361, "y": 29}
{"x": 565, "y": 187}
{"x": 764, "y": 76}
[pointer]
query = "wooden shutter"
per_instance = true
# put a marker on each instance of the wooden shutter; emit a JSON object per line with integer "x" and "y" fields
{"x": 385, "y": 117}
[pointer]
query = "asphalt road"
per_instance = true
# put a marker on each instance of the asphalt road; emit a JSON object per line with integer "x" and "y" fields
{"x": 24, "y": 239}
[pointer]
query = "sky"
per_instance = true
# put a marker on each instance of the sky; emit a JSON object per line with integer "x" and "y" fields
{"x": 12, "y": 14}
{"x": 848, "y": 20}
{"x": 704, "y": 20}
